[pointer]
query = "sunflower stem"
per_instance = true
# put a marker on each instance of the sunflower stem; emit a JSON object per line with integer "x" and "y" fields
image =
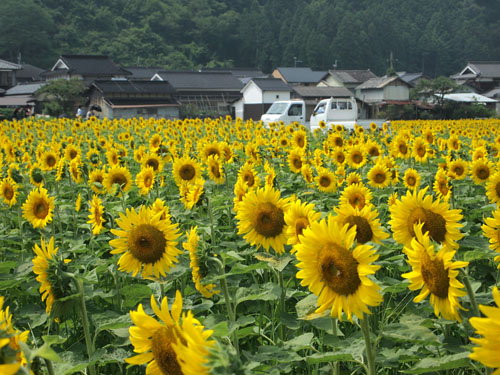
{"x": 21, "y": 233}
{"x": 85, "y": 322}
{"x": 336, "y": 364}
{"x": 282, "y": 304}
{"x": 50, "y": 368}
{"x": 370, "y": 350}
{"x": 470, "y": 292}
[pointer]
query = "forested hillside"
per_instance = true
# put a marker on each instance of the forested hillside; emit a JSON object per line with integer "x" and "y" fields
{"x": 435, "y": 36}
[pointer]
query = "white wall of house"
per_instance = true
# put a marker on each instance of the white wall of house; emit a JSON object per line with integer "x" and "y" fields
{"x": 396, "y": 91}
{"x": 239, "y": 109}
{"x": 272, "y": 96}
{"x": 252, "y": 94}
{"x": 332, "y": 81}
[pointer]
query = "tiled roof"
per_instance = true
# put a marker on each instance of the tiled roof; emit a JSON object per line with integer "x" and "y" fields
{"x": 110, "y": 87}
{"x": 490, "y": 69}
{"x": 237, "y": 72}
{"x": 495, "y": 93}
{"x": 142, "y": 73}
{"x": 410, "y": 77}
{"x": 24, "y": 89}
{"x": 353, "y": 76}
{"x": 93, "y": 65}
{"x": 378, "y": 83}
{"x": 301, "y": 75}
{"x": 29, "y": 73}
{"x": 201, "y": 80}
{"x": 314, "y": 91}
{"x": 271, "y": 84}
{"x": 6, "y": 65}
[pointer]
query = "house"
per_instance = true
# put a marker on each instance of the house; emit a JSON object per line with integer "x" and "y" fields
{"x": 377, "y": 92}
{"x": 411, "y": 78}
{"x": 244, "y": 74}
{"x": 8, "y": 74}
{"x": 85, "y": 67}
{"x": 346, "y": 78}
{"x": 311, "y": 95}
{"x": 29, "y": 73}
{"x": 22, "y": 95}
{"x": 483, "y": 76}
{"x": 128, "y": 99}
{"x": 298, "y": 76}
{"x": 140, "y": 73}
{"x": 258, "y": 95}
{"x": 494, "y": 94}
{"x": 203, "y": 93}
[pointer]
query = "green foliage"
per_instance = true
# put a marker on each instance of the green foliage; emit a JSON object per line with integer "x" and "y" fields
{"x": 61, "y": 96}
{"x": 435, "y": 38}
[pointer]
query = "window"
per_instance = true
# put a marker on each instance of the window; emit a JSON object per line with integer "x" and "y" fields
{"x": 295, "y": 110}
{"x": 319, "y": 109}
{"x": 334, "y": 105}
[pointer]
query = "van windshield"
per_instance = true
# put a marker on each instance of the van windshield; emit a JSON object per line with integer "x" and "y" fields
{"x": 277, "y": 108}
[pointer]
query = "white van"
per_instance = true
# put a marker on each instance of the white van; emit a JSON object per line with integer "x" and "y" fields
{"x": 287, "y": 111}
{"x": 335, "y": 111}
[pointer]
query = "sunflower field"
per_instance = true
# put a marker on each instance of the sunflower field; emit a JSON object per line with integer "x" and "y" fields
{"x": 219, "y": 246}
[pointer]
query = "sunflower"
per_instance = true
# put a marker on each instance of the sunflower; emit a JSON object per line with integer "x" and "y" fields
{"x": 192, "y": 192}
{"x": 326, "y": 180}
{"x": 154, "y": 161}
{"x": 441, "y": 186}
{"x": 210, "y": 149}
{"x": 441, "y": 222}
{"x": 379, "y": 176}
{"x": 198, "y": 264}
{"x": 186, "y": 169}
{"x": 491, "y": 230}
{"x": 46, "y": 265}
{"x": 36, "y": 175}
{"x": 400, "y": 147}
{"x": 75, "y": 171}
{"x": 338, "y": 156}
{"x": 49, "y": 160}
{"x": 458, "y": 169}
{"x": 146, "y": 242}
{"x": 240, "y": 189}
{"x": 8, "y": 191}
{"x": 119, "y": 176}
{"x": 295, "y": 159}
{"x": 155, "y": 142}
{"x": 270, "y": 175}
{"x": 487, "y": 350}
{"x": 96, "y": 215}
{"x": 298, "y": 217}
{"x": 261, "y": 219}
{"x": 307, "y": 173}
{"x": 373, "y": 149}
{"x": 94, "y": 157}
{"x": 420, "y": 150}
{"x": 411, "y": 179}
{"x": 481, "y": 170}
{"x": 248, "y": 175}
{"x": 356, "y": 157}
{"x": 145, "y": 180}
{"x": 215, "y": 169}
{"x": 393, "y": 198}
{"x": 435, "y": 274}
{"x": 337, "y": 271}
{"x": 96, "y": 180}
{"x": 354, "y": 178}
{"x": 12, "y": 357}
{"x": 299, "y": 139}
{"x": 38, "y": 208}
{"x": 356, "y": 195}
{"x": 365, "y": 221}
{"x": 159, "y": 208}
{"x": 78, "y": 202}
{"x": 154, "y": 340}
{"x": 71, "y": 152}
{"x": 453, "y": 143}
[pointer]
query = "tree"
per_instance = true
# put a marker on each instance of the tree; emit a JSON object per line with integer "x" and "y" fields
{"x": 62, "y": 96}
{"x": 434, "y": 90}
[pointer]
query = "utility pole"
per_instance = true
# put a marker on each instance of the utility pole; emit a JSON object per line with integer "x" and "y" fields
{"x": 295, "y": 61}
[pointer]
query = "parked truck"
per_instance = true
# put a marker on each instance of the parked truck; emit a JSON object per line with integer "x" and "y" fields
{"x": 286, "y": 111}
{"x": 333, "y": 111}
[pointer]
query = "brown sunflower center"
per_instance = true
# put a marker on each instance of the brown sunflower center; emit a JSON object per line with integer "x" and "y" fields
{"x": 325, "y": 181}
{"x": 483, "y": 172}
{"x": 50, "y": 160}
{"x": 380, "y": 177}
{"x": 73, "y": 154}
{"x": 435, "y": 276}
{"x": 8, "y": 192}
{"x": 297, "y": 163}
{"x": 373, "y": 151}
{"x": 458, "y": 170}
{"x": 249, "y": 179}
{"x": 268, "y": 220}
{"x": 300, "y": 224}
{"x": 340, "y": 157}
{"x": 434, "y": 223}
{"x": 147, "y": 243}
{"x": 215, "y": 170}
{"x": 403, "y": 149}
{"x": 148, "y": 180}
{"x": 339, "y": 269}
{"x": 300, "y": 141}
{"x": 339, "y": 142}
{"x": 153, "y": 163}
{"x": 187, "y": 172}
{"x": 164, "y": 353}
{"x": 357, "y": 200}
{"x": 119, "y": 178}
{"x": 411, "y": 181}
{"x": 364, "y": 231}
{"x": 357, "y": 158}
{"x": 212, "y": 151}
{"x": 421, "y": 150}
{"x": 497, "y": 189}
{"x": 41, "y": 209}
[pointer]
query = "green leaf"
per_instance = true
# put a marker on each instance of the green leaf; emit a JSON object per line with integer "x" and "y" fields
{"x": 447, "y": 362}
{"x": 329, "y": 357}
{"x": 5, "y": 267}
{"x": 53, "y": 339}
{"x": 277, "y": 262}
{"x": 303, "y": 341}
{"x": 45, "y": 351}
{"x": 353, "y": 347}
{"x": 268, "y": 292}
{"x": 133, "y": 294}
{"x": 410, "y": 329}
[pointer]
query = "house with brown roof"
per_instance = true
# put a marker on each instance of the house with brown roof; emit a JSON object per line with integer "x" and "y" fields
{"x": 203, "y": 93}
{"x": 85, "y": 67}
{"x": 298, "y": 76}
{"x": 311, "y": 95}
{"x": 128, "y": 99}
{"x": 347, "y": 78}
{"x": 8, "y": 74}
{"x": 482, "y": 76}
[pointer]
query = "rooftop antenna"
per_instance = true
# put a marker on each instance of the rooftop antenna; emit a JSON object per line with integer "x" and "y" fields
{"x": 295, "y": 61}
{"x": 19, "y": 58}
{"x": 335, "y": 65}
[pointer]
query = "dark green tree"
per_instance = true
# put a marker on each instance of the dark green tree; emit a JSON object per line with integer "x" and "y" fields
{"x": 61, "y": 96}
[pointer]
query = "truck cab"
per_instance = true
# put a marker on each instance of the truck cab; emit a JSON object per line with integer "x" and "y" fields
{"x": 287, "y": 111}
{"x": 333, "y": 111}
